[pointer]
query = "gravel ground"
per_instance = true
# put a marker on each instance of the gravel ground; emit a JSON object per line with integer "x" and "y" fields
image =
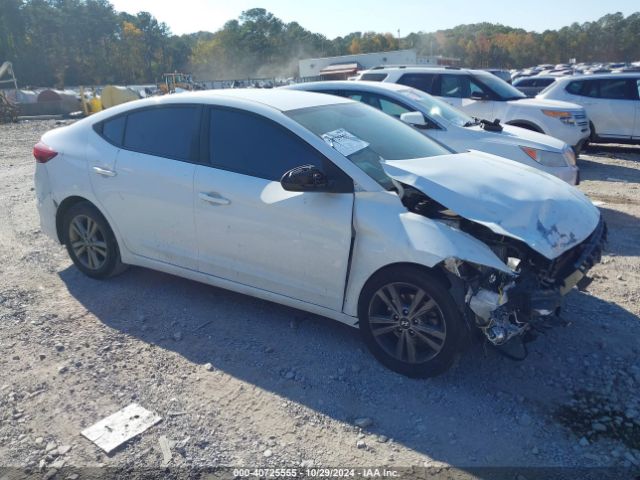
{"x": 243, "y": 382}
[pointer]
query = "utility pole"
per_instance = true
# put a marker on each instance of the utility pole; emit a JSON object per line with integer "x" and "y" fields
{"x": 398, "y": 39}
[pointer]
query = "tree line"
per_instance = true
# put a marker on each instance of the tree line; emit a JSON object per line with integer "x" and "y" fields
{"x": 73, "y": 42}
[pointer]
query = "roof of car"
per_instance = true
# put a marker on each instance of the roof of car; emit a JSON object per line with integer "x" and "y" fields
{"x": 595, "y": 76}
{"x": 348, "y": 85}
{"x": 536, "y": 77}
{"x": 425, "y": 69}
{"x": 277, "y": 98}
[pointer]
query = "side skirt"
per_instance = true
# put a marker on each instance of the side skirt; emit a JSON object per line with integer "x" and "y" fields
{"x": 241, "y": 288}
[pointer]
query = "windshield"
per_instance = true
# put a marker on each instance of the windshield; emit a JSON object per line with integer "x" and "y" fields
{"x": 500, "y": 87}
{"x": 437, "y": 108}
{"x": 370, "y": 136}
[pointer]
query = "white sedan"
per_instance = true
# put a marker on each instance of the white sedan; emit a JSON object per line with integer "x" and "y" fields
{"x": 458, "y": 131}
{"x": 323, "y": 204}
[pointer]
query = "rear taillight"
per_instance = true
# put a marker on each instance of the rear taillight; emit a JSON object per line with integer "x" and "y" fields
{"x": 43, "y": 152}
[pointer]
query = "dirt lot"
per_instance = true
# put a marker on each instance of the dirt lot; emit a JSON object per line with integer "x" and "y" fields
{"x": 243, "y": 382}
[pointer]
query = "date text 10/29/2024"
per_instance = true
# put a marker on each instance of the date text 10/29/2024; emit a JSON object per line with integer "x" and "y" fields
{"x": 315, "y": 473}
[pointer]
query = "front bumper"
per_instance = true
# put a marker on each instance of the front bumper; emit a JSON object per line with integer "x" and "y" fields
{"x": 517, "y": 306}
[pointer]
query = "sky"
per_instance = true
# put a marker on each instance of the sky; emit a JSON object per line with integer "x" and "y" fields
{"x": 339, "y": 17}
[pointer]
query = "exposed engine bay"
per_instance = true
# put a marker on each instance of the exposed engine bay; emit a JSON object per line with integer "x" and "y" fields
{"x": 505, "y": 305}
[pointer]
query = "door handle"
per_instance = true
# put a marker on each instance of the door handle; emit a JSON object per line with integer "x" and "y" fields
{"x": 104, "y": 172}
{"x": 213, "y": 198}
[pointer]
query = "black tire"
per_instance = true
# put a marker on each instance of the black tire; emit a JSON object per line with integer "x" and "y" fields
{"x": 593, "y": 136}
{"x": 443, "y": 318}
{"x": 105, "y": 259}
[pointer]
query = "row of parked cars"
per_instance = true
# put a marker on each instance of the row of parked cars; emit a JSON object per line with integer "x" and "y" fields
{"x": 576, "y": 109}
{"x": 563, "y": 69}
{"x": 372, "y": 203}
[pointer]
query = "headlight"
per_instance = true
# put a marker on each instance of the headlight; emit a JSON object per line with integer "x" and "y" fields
{"x": 563, "y": 116}
{"x": 548, "y": 159}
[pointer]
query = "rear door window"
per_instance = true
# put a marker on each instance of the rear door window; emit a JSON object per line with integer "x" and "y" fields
{"x": 113, "y": 130}
{"x": 421, "y": 81}
{"x": 170, "y": 132}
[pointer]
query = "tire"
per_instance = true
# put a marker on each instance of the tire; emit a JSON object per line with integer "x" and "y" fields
{"x": 433, "y": 335}
{"x": 90, "y": 242}
{"x": 593, "y": 136}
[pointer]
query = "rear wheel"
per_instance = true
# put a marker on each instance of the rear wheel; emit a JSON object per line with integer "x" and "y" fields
{"x": 90, "y": 241}
{"x": 410, "y": 322}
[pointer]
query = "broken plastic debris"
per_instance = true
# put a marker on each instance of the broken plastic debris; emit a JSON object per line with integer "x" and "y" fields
{"x": 114, "y": 430}
{"x": 344, "y": 142}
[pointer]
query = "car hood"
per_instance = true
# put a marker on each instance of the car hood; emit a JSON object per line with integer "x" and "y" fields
{"x": 544, "y": 103}
{"x": 523, "y": 137}
{"x": 509, "y": 198}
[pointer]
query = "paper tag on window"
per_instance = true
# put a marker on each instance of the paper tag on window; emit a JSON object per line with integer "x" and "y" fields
{"x": 344, "y": 142}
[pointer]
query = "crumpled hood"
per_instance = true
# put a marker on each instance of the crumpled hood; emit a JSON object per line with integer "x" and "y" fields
{"x": 509, "y": 198}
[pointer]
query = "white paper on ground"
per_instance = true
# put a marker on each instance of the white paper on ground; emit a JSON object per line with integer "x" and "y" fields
{"x": 344, "y": 142}
{"x": 114, "y": 430}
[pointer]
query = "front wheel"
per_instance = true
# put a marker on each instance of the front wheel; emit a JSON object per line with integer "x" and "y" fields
{"x": 90, "y": 241}
{"x": 410, "y": 322}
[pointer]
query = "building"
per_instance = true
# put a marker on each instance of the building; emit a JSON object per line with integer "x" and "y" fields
{"x": 342, "y": 67}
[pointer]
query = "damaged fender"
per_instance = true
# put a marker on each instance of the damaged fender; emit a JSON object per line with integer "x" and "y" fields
{"x": 406, "y": 238}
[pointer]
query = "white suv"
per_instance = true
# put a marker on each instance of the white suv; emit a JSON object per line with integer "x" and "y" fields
{"x": 612, "y": 102}
{"x": 485, "y": 96}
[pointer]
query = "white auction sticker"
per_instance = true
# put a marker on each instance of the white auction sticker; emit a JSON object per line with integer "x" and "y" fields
{"x": 344, "y": 142}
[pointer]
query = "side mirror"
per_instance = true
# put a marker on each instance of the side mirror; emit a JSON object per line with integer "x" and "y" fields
{"x": 307, "y": 178}
{"x": 478, "y": 96}
{"x": 414, "y": 118}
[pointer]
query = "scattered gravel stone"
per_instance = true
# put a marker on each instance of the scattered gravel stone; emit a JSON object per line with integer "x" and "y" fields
{"x": 59, "y": 347}
{"x": 267, "y": 453}
{"x": 208, "y": 366}
{"x": 584, "y": 442}
{"x": 361, "y": 444}
{"x": 64, "y": 449}
{"x": 525, "y": 420}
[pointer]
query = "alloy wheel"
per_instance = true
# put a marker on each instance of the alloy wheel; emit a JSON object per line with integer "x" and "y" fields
{"x": 88, "y": 242}
{"x": 407, "y": 323}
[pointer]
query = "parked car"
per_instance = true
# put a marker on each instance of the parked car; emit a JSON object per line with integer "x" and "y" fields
{"x": 455, "y": 129}
{"x": 323, "y": 204}
{"x": 531, "y": 86}
{"x": 485, "y": 96}
{"x": 612, "y": 102}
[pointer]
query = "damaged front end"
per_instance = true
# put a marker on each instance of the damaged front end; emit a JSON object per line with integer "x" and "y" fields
{"x": 506, "y": 305}
{"x": 522, "y": 298}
